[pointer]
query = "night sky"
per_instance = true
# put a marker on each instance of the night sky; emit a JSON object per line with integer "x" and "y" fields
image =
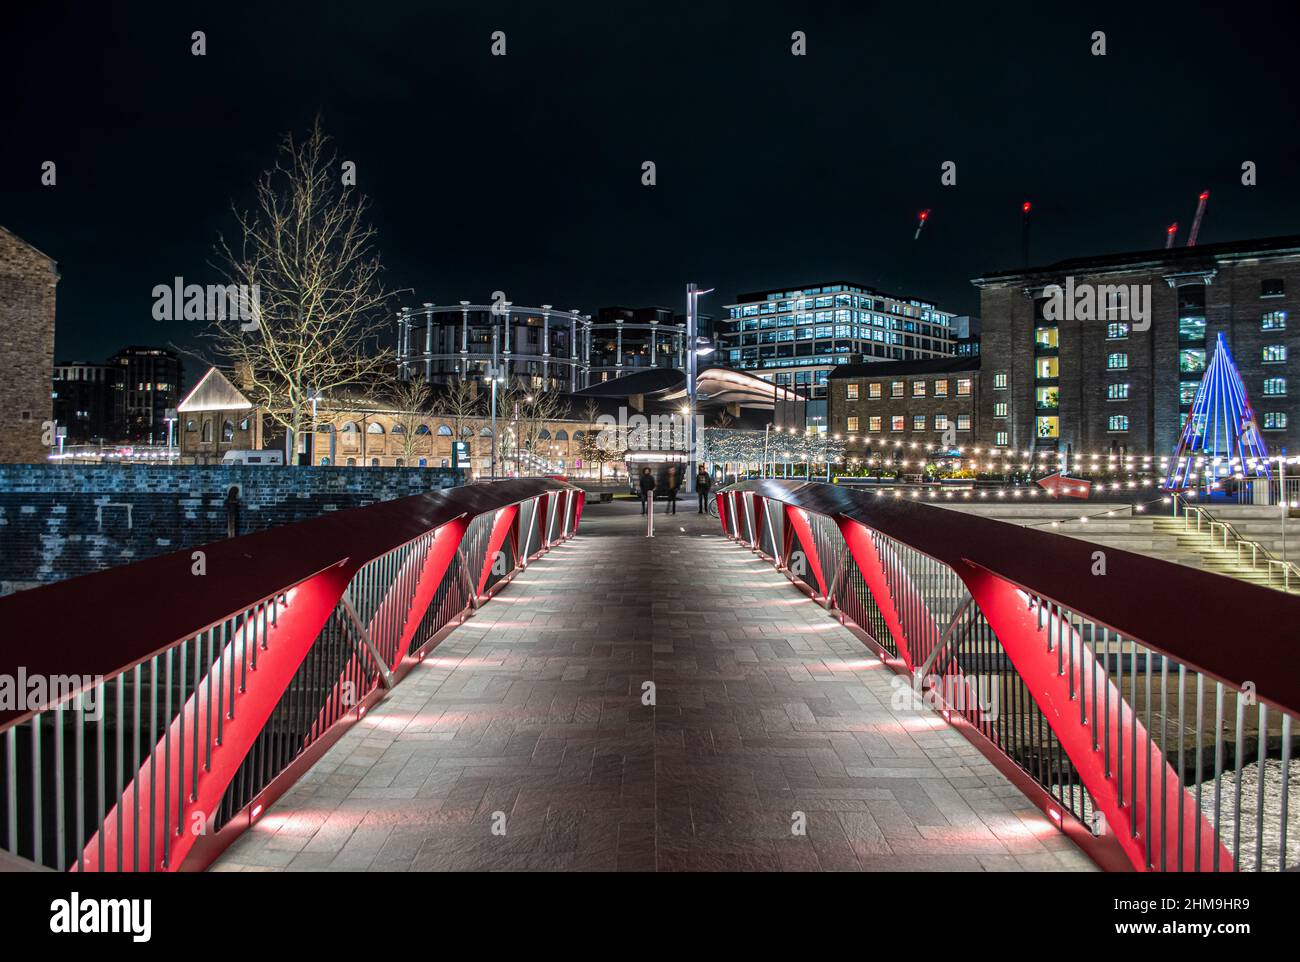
{"x": 523, "y": 173}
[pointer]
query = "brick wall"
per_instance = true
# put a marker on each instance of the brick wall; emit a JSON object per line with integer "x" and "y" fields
{"x": 27, "y": 279}
{"x": 59, "y": 521}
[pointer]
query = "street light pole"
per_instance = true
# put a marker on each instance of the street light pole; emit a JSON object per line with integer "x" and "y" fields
{"x": 692, "y": 348}
{"x": 492, "y": 474}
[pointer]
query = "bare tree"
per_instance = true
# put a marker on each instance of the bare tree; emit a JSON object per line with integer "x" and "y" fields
{"x": 539, "y": 409}
{"x": 462, "y": 405}
{"x": 410, "y": 403}
{"x": 307, "y": 255}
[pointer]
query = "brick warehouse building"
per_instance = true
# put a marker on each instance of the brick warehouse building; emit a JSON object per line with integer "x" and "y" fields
{"x": 1103, "y": 383}
{"x": 881, "y": 402}
{"x": 27, "y": 281}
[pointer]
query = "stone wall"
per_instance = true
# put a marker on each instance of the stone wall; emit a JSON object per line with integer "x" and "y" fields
{"x": 59, "y": 521}
{"x": 27, "y": 280}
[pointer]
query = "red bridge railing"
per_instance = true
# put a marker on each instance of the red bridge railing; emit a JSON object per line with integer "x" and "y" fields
{"x": 156, "y": 709}
{"x": 1146, "y": 706}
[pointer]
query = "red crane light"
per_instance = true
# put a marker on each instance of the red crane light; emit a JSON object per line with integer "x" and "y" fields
{"x": 1172, "y": 228}
{"x": 1025, "y": 207}
{"x": 925, "y": 214}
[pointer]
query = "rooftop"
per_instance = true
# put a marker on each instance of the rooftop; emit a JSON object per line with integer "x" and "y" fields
{"x": 1201, "y": 257}
{"x": 936, "y": 365}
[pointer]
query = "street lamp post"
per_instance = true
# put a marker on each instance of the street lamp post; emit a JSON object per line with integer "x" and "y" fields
{"x": 692, "y": 348}
{"x": 493, "y": 374}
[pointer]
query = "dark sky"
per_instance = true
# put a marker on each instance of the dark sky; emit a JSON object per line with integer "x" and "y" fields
{"x": 522, "y": 173}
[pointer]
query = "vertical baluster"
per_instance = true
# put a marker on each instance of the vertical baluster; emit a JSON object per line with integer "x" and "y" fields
{"x": 1218, "y": 769}
{"x": 1261, "y": 774}
{"x": 79, "y": 754}
{"x": 1286, "y": 787}
{"x": 38, "y": 813}
{"x": 60, "y": 839}
{"x": 135, "y": 767}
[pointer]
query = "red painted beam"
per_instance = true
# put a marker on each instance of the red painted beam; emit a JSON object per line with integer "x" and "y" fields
{"x": 1016, "y": 625}
{"x": 287, "y": 643}
{"x": 500, "y": 528}
{"x": 863, "y": 549}
{"x": 797, "y": 521}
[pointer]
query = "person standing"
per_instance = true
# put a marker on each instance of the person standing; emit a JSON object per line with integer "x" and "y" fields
{"x": 647, "y": 483}
{"x": 702, "y": 484}
{"x": 232, "y": 512}
{"x": 674, "y": 483}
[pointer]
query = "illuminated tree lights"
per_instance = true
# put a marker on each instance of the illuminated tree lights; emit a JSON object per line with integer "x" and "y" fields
{"x": 1220, "y": 429}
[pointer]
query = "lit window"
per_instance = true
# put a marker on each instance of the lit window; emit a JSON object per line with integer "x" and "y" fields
{"x": 941, "y": 422}
{"x": 873, "y": 424}
{"x": 896, "y": 389}
{"x": 897, "y": 423}
{"x": 1117, "y": 422}
{"x": 1116, "y": 330}
{"x": 1000, "y": 439}
{"x": 963, "y": 422}
{"x": 1117, "y": 392}
{"x": 851, "y": 392}
{"x": 1000, "y": 409}
{"x": 1274, "y": 420}
{"x": 1045, "y": 337}
{"x": 1117, "y": 362}
{"x": 1275, "y": 386}
{"x": 918, "y": 422}
{"x": 1048, "y": 397}
{"x": 853, "y": 425}
{"x": 941, "y": 388}
{"x": 873, "y": 391}
{"x": 918, "y": 389}
{"x": 1191, "y": 360}
{"x": 963, "y": 386}
{"x": 1046, "y": 367}
{"x": 999, "y": 382}
{"x": 1048, "y": 427}
{"x": 1275, "y": 354}
{"x": 1273, "y": 321}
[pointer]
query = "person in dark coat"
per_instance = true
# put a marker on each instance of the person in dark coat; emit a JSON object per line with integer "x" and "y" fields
{"x": 232, "y": 512}
{"x": 647, "y": 487}
{"x": 702, "y": 484}
{"x": 674, "y": 483}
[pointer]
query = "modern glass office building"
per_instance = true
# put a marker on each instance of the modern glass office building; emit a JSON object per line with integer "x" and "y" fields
{"x": 795, "y": 337}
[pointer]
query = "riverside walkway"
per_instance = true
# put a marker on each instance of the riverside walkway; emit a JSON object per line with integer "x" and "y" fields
{"x": 672, "y": 704}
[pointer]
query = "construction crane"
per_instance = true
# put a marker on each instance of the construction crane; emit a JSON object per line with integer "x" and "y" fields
{"x": 1200, "y": 213}
{"x": 921, "y": 218}
{"x": 1025, "y": 208}
{"x": 1170, "y": 233}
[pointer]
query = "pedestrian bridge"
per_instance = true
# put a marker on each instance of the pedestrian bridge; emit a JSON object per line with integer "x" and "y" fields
{"x": 502, "y": 677}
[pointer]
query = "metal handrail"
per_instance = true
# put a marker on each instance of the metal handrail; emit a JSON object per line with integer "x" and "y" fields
{"x": 1132, "y": 723}
{"x": 183, "y": 688}
{"x": 1271, "y": 561}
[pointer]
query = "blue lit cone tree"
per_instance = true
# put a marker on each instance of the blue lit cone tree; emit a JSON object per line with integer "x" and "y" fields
{"x": 1220, "y": 436}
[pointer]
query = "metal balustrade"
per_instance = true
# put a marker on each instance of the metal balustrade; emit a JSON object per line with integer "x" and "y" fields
{"x": 1147, "y": 707}
{"x": 1225, "y": 535}
{"x": 185, "y": 693}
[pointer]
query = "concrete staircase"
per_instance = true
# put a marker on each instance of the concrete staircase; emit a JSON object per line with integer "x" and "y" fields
{"x": 1159, "y": 535}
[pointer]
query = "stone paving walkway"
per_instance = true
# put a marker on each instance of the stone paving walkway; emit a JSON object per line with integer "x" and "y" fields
{"x": 528, "y": 720}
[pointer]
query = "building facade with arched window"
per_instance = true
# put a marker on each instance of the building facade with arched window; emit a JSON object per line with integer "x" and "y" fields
{"x": 215, "y": 418}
